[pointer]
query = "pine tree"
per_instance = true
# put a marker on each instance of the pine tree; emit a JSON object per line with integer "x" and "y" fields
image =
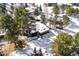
{"x": 2, "y": 8}
{"x": 77, "y": 38}
{"x": 43, "y": 19}
{"x": 56, "y": 9}
{"x": 65, "y": 20}
{"x": 36, "y": 12}
{"x": 35, "y": 52}
{"x": 69, "y": 11}
{"x": 40, "y": 8}
{"x": 8, "y": 23}
{"x": 76, "y": 11}
{"x": 21, "y": 17}
{"x": 63, "y": 44}
{"x": 62, "y": 7}
{"x": 15, "y": 25}
{"x": 40, "y": 52}
{"x": 53, "y": 23}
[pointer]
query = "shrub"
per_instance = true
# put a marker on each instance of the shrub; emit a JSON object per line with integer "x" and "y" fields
{"x": 63, "y": 44}
{"x": 21, "y": 43}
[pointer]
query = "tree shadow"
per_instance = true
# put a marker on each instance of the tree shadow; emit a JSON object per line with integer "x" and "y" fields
{"x": 73, "y": 25}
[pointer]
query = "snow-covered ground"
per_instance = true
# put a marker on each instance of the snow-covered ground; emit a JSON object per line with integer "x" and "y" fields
{"x": 46, "y": 40}
{"x": 72, "y": 28}
{"x": 44, "y": 43}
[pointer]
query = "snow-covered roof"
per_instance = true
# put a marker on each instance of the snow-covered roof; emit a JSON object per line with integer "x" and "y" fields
{"x": 41, "y": 27}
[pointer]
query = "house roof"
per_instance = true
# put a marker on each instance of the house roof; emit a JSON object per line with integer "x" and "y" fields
{"x": 41, "y": 27}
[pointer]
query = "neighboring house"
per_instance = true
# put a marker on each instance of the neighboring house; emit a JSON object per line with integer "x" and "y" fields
{"x": 38, "y": 27}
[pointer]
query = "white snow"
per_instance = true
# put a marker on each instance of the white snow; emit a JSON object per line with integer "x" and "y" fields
{"x": 72, "y": 28}
{"x": 41, "y": 27}
{"x": 30, "y": 9}
{"x": 38, "y": 17}
{"x": 44, "y": 43}
{"x": 46, "y": 40}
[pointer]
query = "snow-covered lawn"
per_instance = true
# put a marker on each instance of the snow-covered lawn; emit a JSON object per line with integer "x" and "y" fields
{"x": 44, "y": 43}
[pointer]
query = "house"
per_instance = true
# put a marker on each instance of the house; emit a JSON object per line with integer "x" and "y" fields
{"x": 41, "y": 28}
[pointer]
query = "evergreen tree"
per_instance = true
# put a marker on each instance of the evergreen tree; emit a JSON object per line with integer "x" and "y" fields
{"x": 77, "y": 43}
{"x": 53, "y": 23}
{"x": 21, "y": 17}
{"x": 65, "y": 20}
{"x": 40, "y": 8}
{"x": 69, "y": 11}
{"x": 43, "y": 19}
{"x": 62, "y": 7}
{"x": 77, "y": 38}
{"x": 15, "y": 25}
{"x": 36, "y": 12}
{"x": 55, "y": 9}
{"x": 76, "y": 11}
{"x": 73, "y": 10}
{"x": 35, "y": 52}
{"x": 40, "y": 52}
{"x": 9, "y": 25}
{"x": 63, "y": 45}
{"x": 2, "y": 8}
